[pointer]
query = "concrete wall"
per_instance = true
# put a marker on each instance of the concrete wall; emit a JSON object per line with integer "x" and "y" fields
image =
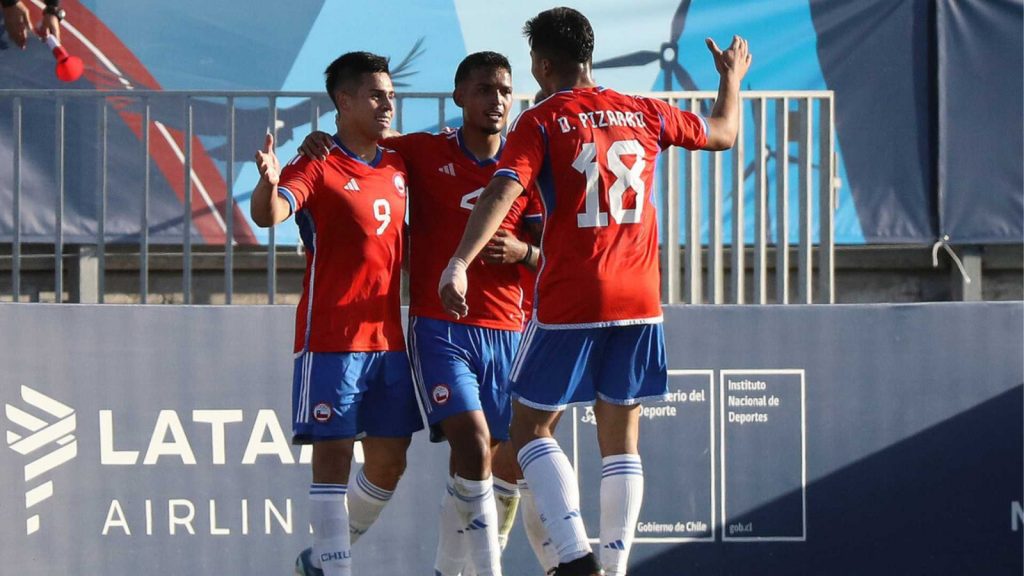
{"x": 864, "y": 274}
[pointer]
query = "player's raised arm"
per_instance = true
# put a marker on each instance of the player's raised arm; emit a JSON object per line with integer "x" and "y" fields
{"x": 732, "y": 65}
{"x": 487, "y": 215}
{"x": 267, "y": 207}
{"x": 16, "y": 21}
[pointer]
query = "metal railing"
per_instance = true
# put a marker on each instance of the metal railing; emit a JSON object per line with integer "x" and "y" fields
{"x": 794, "y": 117}
{"x": 730, "y": 187}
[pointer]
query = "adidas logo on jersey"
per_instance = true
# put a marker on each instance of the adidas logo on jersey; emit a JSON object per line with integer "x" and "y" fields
{"x": 352, "y": 185}
{"x": 448, "y": 169}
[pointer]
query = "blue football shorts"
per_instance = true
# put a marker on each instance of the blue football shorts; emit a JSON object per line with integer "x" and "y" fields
{"x": 459, "y": 368}
{"x": 348, "y": 394}
{"x": 622, "y": 365}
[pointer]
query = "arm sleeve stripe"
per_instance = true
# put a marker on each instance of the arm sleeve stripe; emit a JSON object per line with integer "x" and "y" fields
{"x": 287, "y": 195}
{"x": 507, "y": 173}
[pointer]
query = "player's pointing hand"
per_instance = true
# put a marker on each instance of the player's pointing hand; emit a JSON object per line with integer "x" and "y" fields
{"x": 266, "y": 162}
{"x": 733, "y": 61}
{"x": 452, "y": 288}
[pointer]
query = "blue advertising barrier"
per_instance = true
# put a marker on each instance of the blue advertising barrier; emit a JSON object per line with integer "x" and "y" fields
{"x": 796, "y": 440}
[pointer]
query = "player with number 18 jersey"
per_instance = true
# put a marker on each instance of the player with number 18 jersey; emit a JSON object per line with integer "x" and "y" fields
{"x": 597, "y": 327}
{"x": 597, "y": 335}
{"x": 596, "y": 150}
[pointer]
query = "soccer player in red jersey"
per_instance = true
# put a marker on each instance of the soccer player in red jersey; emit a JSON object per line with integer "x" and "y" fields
{"x": 596, "y": 335}
{"x": 352, "y": 375}
{"x": 461, "y": 367}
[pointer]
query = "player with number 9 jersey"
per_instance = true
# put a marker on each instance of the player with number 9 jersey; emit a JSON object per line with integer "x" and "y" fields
{"x": 591, "y": 153}
{"x": 350, "y": 215}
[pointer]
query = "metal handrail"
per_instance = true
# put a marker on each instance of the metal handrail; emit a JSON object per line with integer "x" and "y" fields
{"x": 801, "y": 119}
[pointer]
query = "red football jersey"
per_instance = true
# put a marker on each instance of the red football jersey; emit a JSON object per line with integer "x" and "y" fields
{"x": 445, "y": 179}
{"x": 591, "y": 152}
{"x": 350, "y": 215}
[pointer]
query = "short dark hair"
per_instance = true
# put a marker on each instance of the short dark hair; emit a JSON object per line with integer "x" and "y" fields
{"x": 561, "y": 35}
{"x": 347, "y": 70}
{"x": 478, "y": 60}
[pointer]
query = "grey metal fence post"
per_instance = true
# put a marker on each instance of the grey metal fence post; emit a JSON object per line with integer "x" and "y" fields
{"x": 101, "y": 225}
{"x": 58, "y": 245}
{"x": 399, "y": 114}
{"x": 782, "y": 201}
{"x": 85, "y": 268}
{"x": 16, "y": 246}
{"x": 761, "y": 204}
{"x": 716, "y": 268}
{"x": 144, "y": 229}
{"x": 229, "y": 208}
{"x": 826, "y": 200}
{"x": 670, "y": 291}
{"x": 692, "y": 279}
{"x": 272, "y": 238}
{"x": 738, "y": 264}
{"x": 804, "y": 254}
{"x": 186, "y": 253}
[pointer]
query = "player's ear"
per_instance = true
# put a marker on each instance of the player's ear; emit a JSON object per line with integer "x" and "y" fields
{"x": 547, "y": 68}
{"x": 457, "y": 96}
{"x": 342, "y": 101}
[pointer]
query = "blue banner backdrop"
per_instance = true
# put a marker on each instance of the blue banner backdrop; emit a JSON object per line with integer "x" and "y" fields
{"x": 900, "y": 144}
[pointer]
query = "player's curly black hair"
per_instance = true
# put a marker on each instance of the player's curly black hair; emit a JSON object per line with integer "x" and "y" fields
{"x": 346, "y": 72}
{"x": 476, "y": 60}
{"x": 563, "y": 36}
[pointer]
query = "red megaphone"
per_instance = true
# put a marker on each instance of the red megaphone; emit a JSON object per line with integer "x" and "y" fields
{"x": 69, "y": 68}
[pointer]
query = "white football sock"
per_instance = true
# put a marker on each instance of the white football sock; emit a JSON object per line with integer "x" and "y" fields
{"x": 451, "y": 549}
{"x": 474, "y": 499}
{"x": 535, "y": 532}
{"x": 365, "y": 502}
{"x": 506, "y": 496}
{"x": 553, "y": 482}
{"x": 328, "y": 514}
{"x": 622, "y": 492}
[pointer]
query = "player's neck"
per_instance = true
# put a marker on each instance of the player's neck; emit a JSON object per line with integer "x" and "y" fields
{"x": 480, "y": 144}
{"x": 579, "y": 78}
{"x": 358, "y": 144}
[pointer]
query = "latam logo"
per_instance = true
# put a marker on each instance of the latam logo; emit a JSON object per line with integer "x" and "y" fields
{"x": 47, "y": 439}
